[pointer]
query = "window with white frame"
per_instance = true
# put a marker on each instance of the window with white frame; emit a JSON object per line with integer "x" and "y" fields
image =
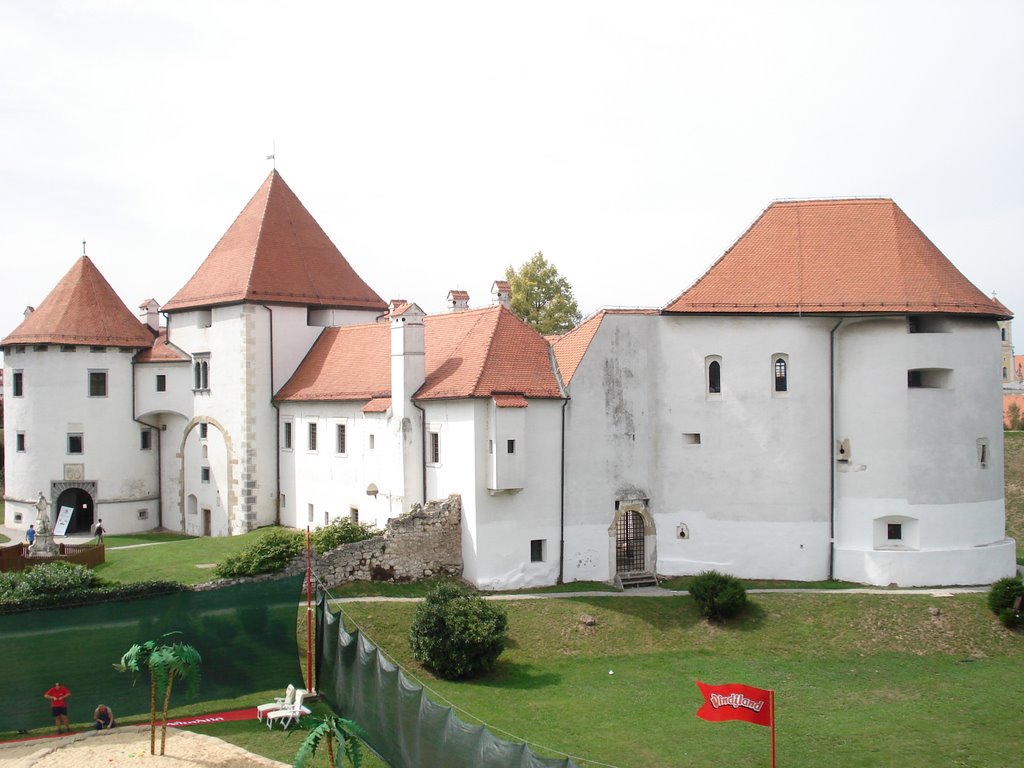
{"x": 286, "y": 437}
{"x": 97, "y": 383}
{"x": 204, "y": 474}
{"x": 780, "y": 373}
{"x": 340, "y": 437}
{"x": 146, "y": 440}
{"x": 713, "y": 375}
{"x": 161, "y": 382}
{"x": 201, "y": 372}
{"x": 311, "y": 437}
{"x": 18, "y": 384}
{"x": 435, "y": 448}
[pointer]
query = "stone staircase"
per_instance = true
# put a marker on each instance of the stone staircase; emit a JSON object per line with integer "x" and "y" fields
{"x": 634, "y": 579}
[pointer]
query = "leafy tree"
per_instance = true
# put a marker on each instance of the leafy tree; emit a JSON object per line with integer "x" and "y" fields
{"x": 1013, "y": 417}
{"x": 456, "y": 634}
{"x": 327, "y": 729}
{"x": 164, "y": 663}
{"x": 542, "y": 297}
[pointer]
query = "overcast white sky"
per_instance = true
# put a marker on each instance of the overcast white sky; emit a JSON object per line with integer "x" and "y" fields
{"x": 439, "y": 142}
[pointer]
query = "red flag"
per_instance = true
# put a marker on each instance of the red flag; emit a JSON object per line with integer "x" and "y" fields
{"x": 735, "y": 702}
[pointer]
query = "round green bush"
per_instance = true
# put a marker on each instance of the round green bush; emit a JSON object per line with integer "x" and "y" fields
{"x": 718, "y": 595}
{"x": 341, "y": 531}
{"x": 268, "y": 554}
{"x": 54, "y": 578}
{"x": 456, "y": 634}
{"x": 1003, "y": 600}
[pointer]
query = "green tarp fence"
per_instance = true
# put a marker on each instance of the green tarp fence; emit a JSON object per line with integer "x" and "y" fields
{"x": 403, "y": 726}
{"x": 246, "y": 635}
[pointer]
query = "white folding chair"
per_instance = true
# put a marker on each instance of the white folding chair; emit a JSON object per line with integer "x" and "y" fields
{"x": 280, "y": 702}
{"x": 288, "y": 715}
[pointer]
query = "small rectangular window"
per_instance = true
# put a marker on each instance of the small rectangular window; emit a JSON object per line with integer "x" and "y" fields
{"x": 339, "y": 438}
{"x": 537, "y": 550}
{"x": 284, "y": 501}
{"x": 435, "y": 448}
{"x": 203, "y": 430}
{"x": 929, "y": 378}
{"x": 146, "y": 440}
{"x": 38, "y": 348}
{"x": 19, "y": 442}
{"x": 97, "y": 349}
{"x": 310, "y": 512}
{"x": 490, "y": 446}
{"x": 691, "y": 438}
{"x": 353, "y": 514}
{"x": 287, "y": 439}
{"x": 75, "y": 442}
{"x": 311, "y": 438}
{"x": 894, "y": 531}
{"x": 511, "y": 446}
{"x": 371, "y": 442}
{"x": 161, "y": 382}
{"x": 18, "y": 384}
{"x": 204, "y": 474}
{"x": 68, "y": 347}
{"x": 97, "y": 383}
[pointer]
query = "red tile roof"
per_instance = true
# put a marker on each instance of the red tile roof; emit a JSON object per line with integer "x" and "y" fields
{"x": 162, "y": 351}
{"x": 474, "y": 353}
{"x": 275, "y": 252}
{"x": 570, "y": 348}
{"x": 834, "y": 256}
{"x": 503, "y": 400}
{"x": 82, "y": 309}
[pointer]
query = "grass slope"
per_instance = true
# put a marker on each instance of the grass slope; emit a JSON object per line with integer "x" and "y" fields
{"x": 859, "y": 680}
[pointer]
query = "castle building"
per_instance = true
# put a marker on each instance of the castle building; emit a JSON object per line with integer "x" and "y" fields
{"x": 823, "y": 402}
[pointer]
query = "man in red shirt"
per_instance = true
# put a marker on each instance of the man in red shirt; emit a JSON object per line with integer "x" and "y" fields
{"x": 58, "y": 695}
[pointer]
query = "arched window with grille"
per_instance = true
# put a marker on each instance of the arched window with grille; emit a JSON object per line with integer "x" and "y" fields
{"x": 713, "y": 374}
{"x": 781, "y": 374}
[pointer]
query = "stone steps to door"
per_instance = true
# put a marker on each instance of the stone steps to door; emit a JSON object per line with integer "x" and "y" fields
{"x": 633, "y": 579}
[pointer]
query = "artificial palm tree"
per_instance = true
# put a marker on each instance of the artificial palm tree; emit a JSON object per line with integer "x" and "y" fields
{"x": 164, "y": 663}
{"x": 328, "y": 728}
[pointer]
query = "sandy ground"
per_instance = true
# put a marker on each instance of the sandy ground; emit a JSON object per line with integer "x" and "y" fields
{"x": 129, "y": 746}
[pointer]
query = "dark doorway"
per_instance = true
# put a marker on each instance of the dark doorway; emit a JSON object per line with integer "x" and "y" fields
{"x": 83, "y": 515}
{"x": 629, "y": 542}
{"x": 207, "y": 522}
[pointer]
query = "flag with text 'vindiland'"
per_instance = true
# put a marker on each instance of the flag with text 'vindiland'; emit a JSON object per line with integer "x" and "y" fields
{"x": 735, "y": 702}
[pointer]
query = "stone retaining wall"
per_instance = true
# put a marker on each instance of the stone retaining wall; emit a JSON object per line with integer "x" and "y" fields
{"x": 426, "y": 541}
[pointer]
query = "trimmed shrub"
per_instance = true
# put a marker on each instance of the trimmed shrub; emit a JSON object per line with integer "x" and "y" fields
{"x": 1004, "y": 596}
{"x": 41, "y": 601}
{"x": 456, "y": 634}
{"x": 268, "y": 554}
{"x": 54, "y": 578}
{"x": 718, "y": 595}
{"x": 341, "y": 531}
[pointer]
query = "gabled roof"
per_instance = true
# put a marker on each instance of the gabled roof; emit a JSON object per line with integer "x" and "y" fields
{"x": 474, "y": 353}
{"x": 570, "y": 348}
{"x": 162, "y": 351}
{"x": 82, "y": 309}
{"x": 834, "y": 257}
{"x": 275, "y": 252}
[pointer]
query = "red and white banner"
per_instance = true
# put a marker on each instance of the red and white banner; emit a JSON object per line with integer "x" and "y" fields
{"x": 736, "y": 702}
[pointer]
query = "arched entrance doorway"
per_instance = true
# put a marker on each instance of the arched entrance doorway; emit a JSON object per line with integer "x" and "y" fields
{"x": 630, "y": 555}
{"x": 83, "y": 514}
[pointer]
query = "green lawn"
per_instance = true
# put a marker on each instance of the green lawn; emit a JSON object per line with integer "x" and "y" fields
{"x": 860, "y": 680}
{"x": 184, "y": 559}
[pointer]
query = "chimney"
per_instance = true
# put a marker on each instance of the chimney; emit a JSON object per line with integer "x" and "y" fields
{"x": 149, "y": 313}
{"x": 501, "y": 294}
{"x": 458, "y": 301}
{"x": 408, "y": 366}
{"x": 28, "y": 311}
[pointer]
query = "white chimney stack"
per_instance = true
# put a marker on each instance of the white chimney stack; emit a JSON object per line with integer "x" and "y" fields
{"x": 149, "y": 313}
{"x": 458, "y": 301}
{"x": 501, "y": 294}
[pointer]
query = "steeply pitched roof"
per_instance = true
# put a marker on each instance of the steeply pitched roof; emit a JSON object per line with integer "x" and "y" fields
{"x": 275, "y": 252}
{"x": 162, "y": 351}
{"x": 570, "y": 348}
{"x": 474, "y": 353}
{"x": 82, "y": 309}
{"x": 834, "y": 256}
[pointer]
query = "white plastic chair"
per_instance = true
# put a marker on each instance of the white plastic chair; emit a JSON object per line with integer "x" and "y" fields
{"x": 280, "y": 702}
{"x": 288, "y": 715}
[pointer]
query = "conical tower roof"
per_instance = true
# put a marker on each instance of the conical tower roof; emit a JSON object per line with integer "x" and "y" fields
{"x": 275, "y": 252}
{"x": 834, "y": 257}
{"x": 82, "y": 309}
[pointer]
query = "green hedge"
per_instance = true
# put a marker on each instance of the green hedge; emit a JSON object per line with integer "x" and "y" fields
{"x": 268, "y": 554}
{"x": 76, "y": 597}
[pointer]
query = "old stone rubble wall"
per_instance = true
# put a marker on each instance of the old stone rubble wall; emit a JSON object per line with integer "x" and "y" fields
{"x": 426, "y": 541}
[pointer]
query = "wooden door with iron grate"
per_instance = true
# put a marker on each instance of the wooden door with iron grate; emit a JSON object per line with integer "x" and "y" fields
{"x": 629, "y": 542}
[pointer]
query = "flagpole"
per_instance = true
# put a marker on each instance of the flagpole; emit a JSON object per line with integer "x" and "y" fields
{"x": 771, "y": 700}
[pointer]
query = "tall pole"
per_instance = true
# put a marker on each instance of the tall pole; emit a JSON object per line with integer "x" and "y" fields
{"x": 771, "y": 700}
{"x": 309, "y": 623}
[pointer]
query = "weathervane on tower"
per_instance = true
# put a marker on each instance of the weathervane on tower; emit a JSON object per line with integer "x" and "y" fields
{"x": 273, "y": 154}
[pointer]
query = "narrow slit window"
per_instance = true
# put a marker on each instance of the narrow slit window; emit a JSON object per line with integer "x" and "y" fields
{"x": 511, "y": 447}
{"x": 161, "y": 382}
{"x": 435, "y": 448}
{"x": 715, "y": 378}
{"x": 340, "y": 439}
{"x": 311, "y": 437}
